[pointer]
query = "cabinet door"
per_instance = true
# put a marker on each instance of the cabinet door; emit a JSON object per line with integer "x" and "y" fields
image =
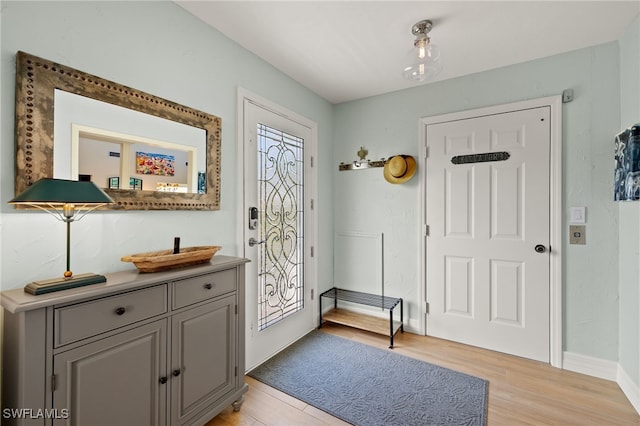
{"x": 114, "y": 381}
{"x": 203, "y": 357}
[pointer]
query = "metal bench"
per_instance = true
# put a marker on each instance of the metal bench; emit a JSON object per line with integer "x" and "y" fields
{"x": 341, "y": 316}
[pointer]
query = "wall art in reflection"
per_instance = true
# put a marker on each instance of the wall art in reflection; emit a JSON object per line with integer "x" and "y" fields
{"x": 155, "y": 164}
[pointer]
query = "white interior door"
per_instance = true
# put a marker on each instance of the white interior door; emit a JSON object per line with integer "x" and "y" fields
{"x": 487, "y": 250}
{"x": 277, "y": 232}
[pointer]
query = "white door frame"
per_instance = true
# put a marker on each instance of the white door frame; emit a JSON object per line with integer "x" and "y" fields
{"x": 310, "y": 188}
{"x": 555, "y": 209}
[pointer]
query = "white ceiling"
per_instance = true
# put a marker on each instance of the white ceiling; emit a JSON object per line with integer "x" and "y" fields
{"x": 345, "y": 50}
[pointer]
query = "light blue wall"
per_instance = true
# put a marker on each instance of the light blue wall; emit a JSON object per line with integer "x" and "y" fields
{"x": 388, "y": 124}
{"x": 159, "y": 48}
{"x": 630, "y": 212}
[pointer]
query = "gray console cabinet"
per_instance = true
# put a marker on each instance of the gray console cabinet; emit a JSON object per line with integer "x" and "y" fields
{"x": 141, "y": 349}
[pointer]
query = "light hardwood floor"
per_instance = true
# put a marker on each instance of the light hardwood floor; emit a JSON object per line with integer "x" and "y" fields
{"x": 521, "y": 392}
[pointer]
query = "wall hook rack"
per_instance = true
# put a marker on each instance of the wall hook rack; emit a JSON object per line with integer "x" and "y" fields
{"x": 362, "y": 163}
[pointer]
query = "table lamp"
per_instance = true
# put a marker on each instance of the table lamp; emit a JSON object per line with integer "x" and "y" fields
{"x": 68, "y": 201}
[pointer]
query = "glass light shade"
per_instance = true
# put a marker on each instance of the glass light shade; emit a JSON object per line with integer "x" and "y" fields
{"x": 424, "y": 62}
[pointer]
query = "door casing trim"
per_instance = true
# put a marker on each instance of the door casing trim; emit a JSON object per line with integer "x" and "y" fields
{"x": 555, "y": 209}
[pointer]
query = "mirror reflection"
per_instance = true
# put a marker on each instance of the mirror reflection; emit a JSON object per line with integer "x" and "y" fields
{"x": 118, "y": 148}
{"x": 148, "y": 137}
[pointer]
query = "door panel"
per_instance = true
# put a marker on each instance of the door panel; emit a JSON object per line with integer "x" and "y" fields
{"x": 459, "y": 285}
{"x": 203, "y": 356}
{"x": 459, "y": 213}
{"x": 112, "y": 379}
{"x": 486, "y": 285}
{"x": 506, "y": 203}
{"x": 506, "y": 292}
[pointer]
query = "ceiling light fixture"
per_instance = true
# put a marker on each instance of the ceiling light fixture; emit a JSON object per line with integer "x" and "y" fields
{"x": 425, "y": 57}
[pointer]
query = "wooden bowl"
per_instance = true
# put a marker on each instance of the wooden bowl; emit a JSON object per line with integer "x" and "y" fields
{"x": 155, "y": 261}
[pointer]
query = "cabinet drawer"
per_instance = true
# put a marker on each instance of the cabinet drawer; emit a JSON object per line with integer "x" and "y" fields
{"x": 86, "y": 319}
{"x": 196, "y": 289}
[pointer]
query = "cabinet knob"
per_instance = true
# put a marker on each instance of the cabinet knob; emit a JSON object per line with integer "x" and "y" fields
{"x": 208, "y": 286}
{"x": 120, "y": 311}
{"x": 163, "y": 380}
{"x": 176, "y": 373}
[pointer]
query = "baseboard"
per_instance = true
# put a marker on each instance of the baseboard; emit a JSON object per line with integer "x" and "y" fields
{"x": 630, "y": 389}
{"x": 591, "y": 366}
{"x": 603, "y": 369}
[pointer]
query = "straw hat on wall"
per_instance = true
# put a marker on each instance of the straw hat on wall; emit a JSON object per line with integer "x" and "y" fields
{"x": 399, "y": 169}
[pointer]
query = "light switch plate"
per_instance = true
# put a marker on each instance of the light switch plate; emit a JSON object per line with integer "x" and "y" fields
{"x": 578, "y": 214}
{"x": 577, "y": 234}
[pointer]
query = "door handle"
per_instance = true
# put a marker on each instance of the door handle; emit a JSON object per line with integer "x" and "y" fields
{"x": 540, "y": 248}
{"x": 253, "y": 242}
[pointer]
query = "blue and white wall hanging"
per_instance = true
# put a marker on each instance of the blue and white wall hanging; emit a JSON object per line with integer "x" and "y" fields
{"x": 627, "y": 165}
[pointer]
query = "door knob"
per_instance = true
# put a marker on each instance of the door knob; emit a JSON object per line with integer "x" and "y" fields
{"x": 253, "y": 242}
{"x": 540, "y": 248}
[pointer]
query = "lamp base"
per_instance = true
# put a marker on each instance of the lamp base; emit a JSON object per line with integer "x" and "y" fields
{"x": 57, "y": 284}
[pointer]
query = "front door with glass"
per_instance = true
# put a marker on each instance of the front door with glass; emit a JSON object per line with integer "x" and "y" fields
{"x": 277, "y": 219}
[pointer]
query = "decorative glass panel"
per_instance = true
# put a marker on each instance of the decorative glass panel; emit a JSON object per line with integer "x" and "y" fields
{"x": 281, "y": 198}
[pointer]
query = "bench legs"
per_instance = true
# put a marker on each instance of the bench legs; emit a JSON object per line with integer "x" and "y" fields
{"x": 390, "y": 328}
{"x": 391, "y": 323}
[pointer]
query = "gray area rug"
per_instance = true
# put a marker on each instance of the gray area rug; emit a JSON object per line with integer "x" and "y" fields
{"x": 367, "y": 386}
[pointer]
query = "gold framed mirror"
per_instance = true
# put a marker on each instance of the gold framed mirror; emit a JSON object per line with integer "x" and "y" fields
{"x": 38, "y": 79}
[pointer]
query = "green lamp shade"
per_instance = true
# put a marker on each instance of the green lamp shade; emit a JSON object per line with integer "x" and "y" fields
{"x": 61, "y": 191}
